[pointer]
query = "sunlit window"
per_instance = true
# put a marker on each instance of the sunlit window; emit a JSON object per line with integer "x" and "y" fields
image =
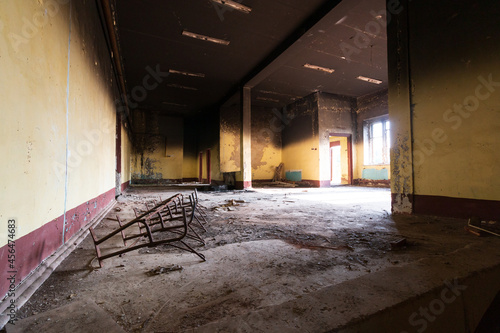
{"x": 377, "y": 141}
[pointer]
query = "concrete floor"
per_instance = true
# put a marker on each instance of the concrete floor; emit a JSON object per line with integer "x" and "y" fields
{"x": 284, "y": 260}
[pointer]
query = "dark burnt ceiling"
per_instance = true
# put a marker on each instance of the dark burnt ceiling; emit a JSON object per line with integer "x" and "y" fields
{"x": 267, "y": 50}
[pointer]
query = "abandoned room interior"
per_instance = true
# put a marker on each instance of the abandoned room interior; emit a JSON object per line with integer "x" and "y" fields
{"x": 250, "y": 166}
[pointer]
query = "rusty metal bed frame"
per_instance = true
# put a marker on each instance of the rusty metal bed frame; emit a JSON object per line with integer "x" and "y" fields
{"x": 153, "y": 222}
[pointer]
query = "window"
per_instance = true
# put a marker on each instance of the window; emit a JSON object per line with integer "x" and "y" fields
{"x": 377, "y": 141}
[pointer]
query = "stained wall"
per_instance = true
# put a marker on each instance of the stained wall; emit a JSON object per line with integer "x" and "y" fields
{"x": 57, "y": 125}
{"x": 230, "y": 136}
{"x": 158, "y": 148}
{"x": 300, "y": 138}
{"x": 127, "y": 151}
{"x": 444, "y": 103}
{"x": 266, "y": 142}
{"x": 336, "y": 115}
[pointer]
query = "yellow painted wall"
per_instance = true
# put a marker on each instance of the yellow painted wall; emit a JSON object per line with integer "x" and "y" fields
{"x": 300, "y": 156}
{"x": 190, "y": 166}
{"x": 357, "y": 168}
{"x": 209, "y": 138}
{"x": 301, "y": 138}
{"x": 456, "y": 97}
{"x": 126, "y": 156}
{"x": 230, "y": 135}
{"x": 230, "y": 151}
{"x": 215, "y": 172}
{"x": 159, "y": 148}
{"x": 215, "y": 162}
{"x": 271, "y": 158}
{"x": 163, "y": 163}
{"x": 190, "y": 160}
{"x": 33, "y": 80}
{"x": 204, "y": 169}
{"x": 203, "y": 164}
{"x": 465, "y": 150}
{"x": 266, "y": 143}
{"x": 444, "y": 103}
{"x": 265, "y": 136}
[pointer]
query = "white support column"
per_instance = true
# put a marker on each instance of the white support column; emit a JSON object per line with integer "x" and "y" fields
{"x": 246, "y": 138}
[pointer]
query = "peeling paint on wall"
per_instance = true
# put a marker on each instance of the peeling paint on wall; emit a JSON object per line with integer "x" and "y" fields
{"x": 36, "y": 99}
{"x": 230, "y": 137}
{"x": 266, "y": 142}
{"x": 399, "y": 102}
{"x": 401, "y": 181}
{"x": 158, "y": 147}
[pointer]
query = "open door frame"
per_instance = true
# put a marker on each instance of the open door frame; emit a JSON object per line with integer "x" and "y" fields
{"x": 349, "y": 154}
{"x": 200, "y": 174}
{"x": 209, "y": 167}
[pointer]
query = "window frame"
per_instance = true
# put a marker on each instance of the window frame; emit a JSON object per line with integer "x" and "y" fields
{"x": 369, "y": 158}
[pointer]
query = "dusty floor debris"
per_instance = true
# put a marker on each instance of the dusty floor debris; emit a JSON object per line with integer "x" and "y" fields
{"x": 277, "y": 245}
{"x": 86, "y": 316}
{"x": 162, "y": 270}
{"x": 478, "y": 227}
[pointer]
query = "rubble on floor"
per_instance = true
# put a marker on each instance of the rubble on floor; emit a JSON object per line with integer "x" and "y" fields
{"x": 277, "y": 247}
{"x": 479, "y": 227}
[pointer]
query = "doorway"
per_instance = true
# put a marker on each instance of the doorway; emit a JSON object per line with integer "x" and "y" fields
{"x": 340, "y": 159}
{"x": 336, "y": 163}
{"x": 200, "y": 168}
{"x": 209, "y": 167}
{"x": 208, "y": 170}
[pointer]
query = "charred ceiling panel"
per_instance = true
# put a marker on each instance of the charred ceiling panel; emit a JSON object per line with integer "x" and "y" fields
{"x": 151, "y": 37}
{"x": 265, "y": 49}
{"x": 347, "y": 44}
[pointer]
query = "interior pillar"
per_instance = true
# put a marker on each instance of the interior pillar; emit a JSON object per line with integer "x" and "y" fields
{"x": 400, "y": 113}
{"x": 246, "y": 138}
{"x": 118, "y": 155}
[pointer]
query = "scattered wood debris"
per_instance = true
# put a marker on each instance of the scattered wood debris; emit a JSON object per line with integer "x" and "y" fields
{"x": 278, "y": 184}
{"x": 476, "y": 225}
{"x": 162, "y": 270}
{"x": 229, "y": 205}
{"x": 472, "y": 231}
{"x": 399, "y": 244}
{"x": 277, "y": 173}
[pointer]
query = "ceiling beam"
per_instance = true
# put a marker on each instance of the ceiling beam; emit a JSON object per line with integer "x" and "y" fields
{"x": 273, "y": 61}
